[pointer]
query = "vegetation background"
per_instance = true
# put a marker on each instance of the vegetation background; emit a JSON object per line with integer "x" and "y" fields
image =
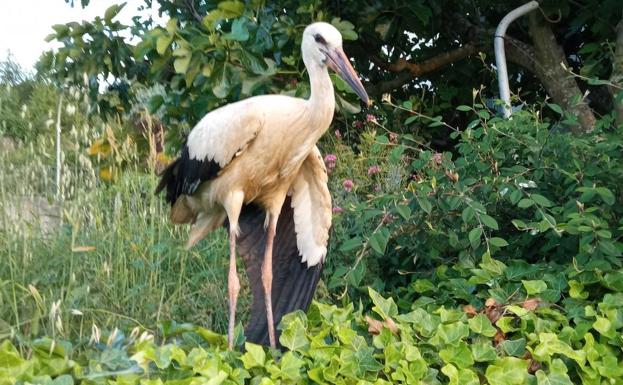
{"x": 466, "y": 248}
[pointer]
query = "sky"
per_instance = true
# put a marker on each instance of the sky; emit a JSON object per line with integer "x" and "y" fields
{"x": 24, "y": 24}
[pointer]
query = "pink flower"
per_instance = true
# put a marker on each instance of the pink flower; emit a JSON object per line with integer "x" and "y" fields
{"x": 337, "y": 210}
{"x": 330, "y": 161}
{"x": 358, "y": 124}
{"x": 338, "y": 134}
{"x": 348, "y": 185}
{"x": 370, "y": 118}
{"x": 437, "y": 157}
{"x": 393, "y": 137}
{"x": 374, "y": 170}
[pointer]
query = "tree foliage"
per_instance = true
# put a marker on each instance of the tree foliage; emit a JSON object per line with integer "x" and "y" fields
{"x": 433, "y": 52}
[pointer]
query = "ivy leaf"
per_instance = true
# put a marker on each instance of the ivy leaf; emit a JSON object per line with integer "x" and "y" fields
{"x": 507, "y": 371}
{"x": 254, "y": 356}
{"x": 386, "y": 308}
{"x": 482, "y": 325}
{"x": 290, "y": 367}
{"x": 293, "y": 335}
{"x": 458, "y": 354}
{"x": 534, "y": 287}
{"x": 483, "y": 352}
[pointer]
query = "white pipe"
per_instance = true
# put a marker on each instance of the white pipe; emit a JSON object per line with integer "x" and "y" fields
{"x": 500, "y": 55}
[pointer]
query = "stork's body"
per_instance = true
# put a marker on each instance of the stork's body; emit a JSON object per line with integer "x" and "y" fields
{"x": 259, "y": 151}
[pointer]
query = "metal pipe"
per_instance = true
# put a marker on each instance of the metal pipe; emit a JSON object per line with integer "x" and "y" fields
{"x": 500, "y": 55}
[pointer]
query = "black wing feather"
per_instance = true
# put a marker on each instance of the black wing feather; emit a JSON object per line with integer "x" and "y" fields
{"x": 294, "y": 283}
{"x": 185, "y": 175}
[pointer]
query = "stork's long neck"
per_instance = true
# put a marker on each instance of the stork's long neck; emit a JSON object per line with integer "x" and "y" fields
{"x": 321, "y": 102}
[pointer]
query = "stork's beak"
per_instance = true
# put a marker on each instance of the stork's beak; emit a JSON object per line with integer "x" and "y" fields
{"x": 338, "y": 62}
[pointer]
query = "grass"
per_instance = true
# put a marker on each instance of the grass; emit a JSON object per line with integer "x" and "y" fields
{"x": 101, "y": 254}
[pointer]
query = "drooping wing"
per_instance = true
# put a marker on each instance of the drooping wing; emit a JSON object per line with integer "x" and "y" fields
{"x": 311, "y": 202}
{"x": 294, "y": 279}
{"x": 294, "y": 283}
{"x": 219, "y": 137}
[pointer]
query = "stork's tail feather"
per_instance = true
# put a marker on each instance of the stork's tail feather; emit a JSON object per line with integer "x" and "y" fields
{"x": 294, "y": 283}
{"x": 168, "y": 179}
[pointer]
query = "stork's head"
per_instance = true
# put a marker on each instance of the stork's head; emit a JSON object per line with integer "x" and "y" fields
{"x": 322, "y": 47}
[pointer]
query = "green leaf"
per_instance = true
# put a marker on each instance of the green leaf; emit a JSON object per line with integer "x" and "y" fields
{"x": 254, "y": 356}
{"x": 231, "y": 9}
{"x": 424, "y": 204}
{"x": 346, "y": 28}
{"x": 498, "y": 242}
{"x": 460, "y": 355}
{"x": 404, "y": 211}
{"x": 474, "y": 236}
{"x": 113, "y": 11}
{"x": 606, "y": 195}
{"x": 480, "y": 324}
{"x": 351, "y": 244}
{"x": 549, "y": 344}
{"x": 603, "y": 326}
{"x": 378, "y": 240}
{"x": 239, "y": 31}
{"x": 386, "y": 308}
{"x": 453, "y": 332}
{"x": 516, "y": 348}
{"x": 290, "y": 367}
{"x": 525, "y": 203}
{"x": 556, "y": 108}
{"x": 507, "y": 371}
{"x": 294, "y": 336}
{"x": 541, "y": 200}
{"x": 181, "y": 64}
{"x": 163, "y": 43}
{"x": 483, "y": 352}
{"x": 534, "y": 287}
{"x": 464, "y": 108}
{"x": 489, "y": 222}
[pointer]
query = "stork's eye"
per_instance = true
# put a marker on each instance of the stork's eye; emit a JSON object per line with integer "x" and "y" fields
{"x": 320, "y": 39}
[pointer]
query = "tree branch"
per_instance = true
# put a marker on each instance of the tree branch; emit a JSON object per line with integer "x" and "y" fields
{"x": 408, "y": 71}
{"x": 617, "y": 73}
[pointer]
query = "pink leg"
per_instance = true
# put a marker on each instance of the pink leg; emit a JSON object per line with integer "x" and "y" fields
{"x": 267, "y": 280}
{"x": 233, "y": 286}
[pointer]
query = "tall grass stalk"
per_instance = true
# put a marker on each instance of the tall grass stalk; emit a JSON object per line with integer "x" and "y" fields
{"x": 104, "y": 254}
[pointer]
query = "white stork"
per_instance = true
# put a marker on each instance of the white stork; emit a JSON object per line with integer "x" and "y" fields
{"x": 248, "y": 158}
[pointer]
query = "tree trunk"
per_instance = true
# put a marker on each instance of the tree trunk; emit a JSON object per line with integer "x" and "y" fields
{"x": 616, "y": 78}
{"x": 560, "y": 85}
